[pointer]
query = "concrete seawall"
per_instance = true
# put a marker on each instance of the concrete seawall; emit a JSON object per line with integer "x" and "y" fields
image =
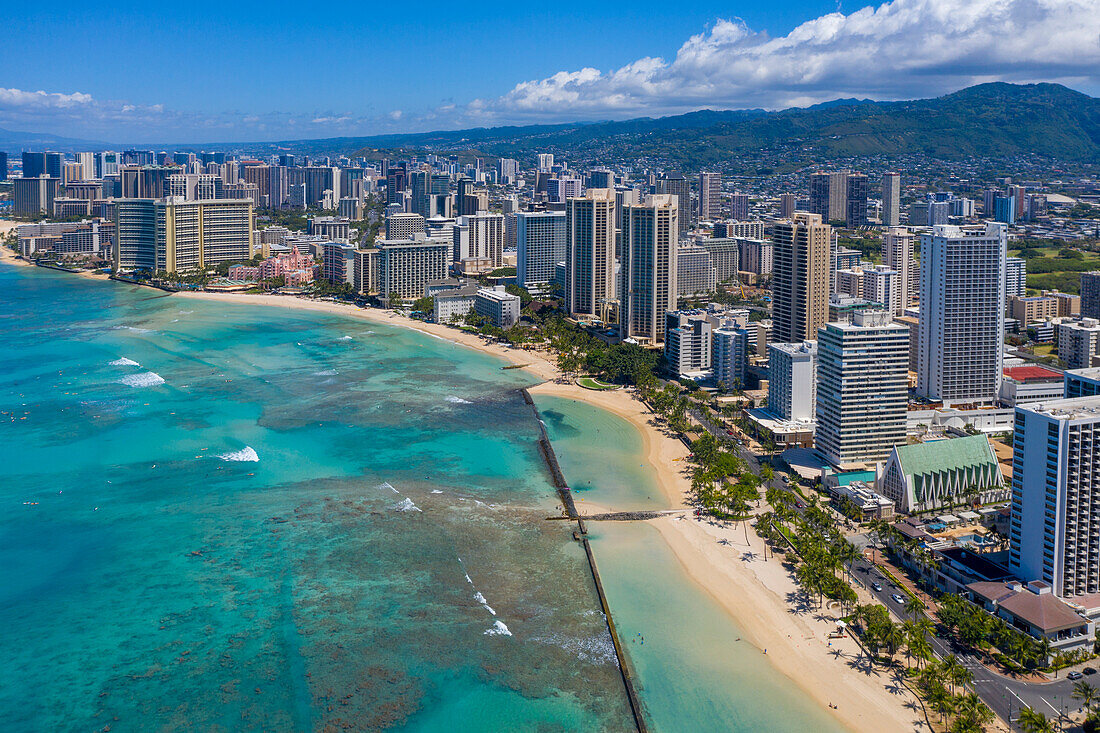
{"x": 581, "y": 535}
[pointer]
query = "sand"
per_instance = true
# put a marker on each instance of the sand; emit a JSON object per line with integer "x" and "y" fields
{"x": 760, "y": 595}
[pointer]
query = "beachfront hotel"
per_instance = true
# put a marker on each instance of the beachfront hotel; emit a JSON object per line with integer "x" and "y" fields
{"x": 405, "y": 267}
{"x": 862, "y": 389}
{"x": 648, "y": 257}
{"x": 173, "y": 235}
{"x": 590, "y": 253}
{"x": 540, "y": 245}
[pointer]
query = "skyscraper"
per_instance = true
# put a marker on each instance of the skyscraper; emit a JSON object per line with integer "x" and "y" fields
{"x": 649, "y": 283}
{"x": 739, "y": 206}
{"x": 710, "y": 192}
{"x": 856, "y": 204}
{"x": 590, "y": 253}
{"x": 829, "y": 195}
{"x": 862, "y": 389}
{"x": 1090, "y": 294}
{"x": 891, "y": 199}
{"x": 1055, "y": 483}
{"x": 680, "y": 187}
{"x": 800, "y": 285}
{"x": 962, "y": 285}
{"x": 897, "y": 254}
{"x": 540, "y": 245}
{"x": 182, "y": 236}
{"x": 787, "y": 203}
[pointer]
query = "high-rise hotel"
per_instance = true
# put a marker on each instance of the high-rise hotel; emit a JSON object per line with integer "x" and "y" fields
{"x": 1054, "y": 534}
{"x": 800, "y": 282}
{"x": 590, "y": 253}
{"x": 172, "y": 235}
{"x": 648, "y": 258}
{"x": 961, "y": 330}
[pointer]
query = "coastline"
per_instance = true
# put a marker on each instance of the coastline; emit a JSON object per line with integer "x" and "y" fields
{"x": 755, "y": 596}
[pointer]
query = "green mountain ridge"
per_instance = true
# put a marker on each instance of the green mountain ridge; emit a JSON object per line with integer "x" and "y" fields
{"x": 994, "y": 120}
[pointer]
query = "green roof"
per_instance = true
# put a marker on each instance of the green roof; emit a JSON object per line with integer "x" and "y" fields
{"x": 945, "y": 455}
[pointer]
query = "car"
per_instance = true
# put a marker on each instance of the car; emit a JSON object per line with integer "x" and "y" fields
{"x": 800, "y": 505}
{"x": 1074, "y": 676}
{"x": 877, "y": 587}
{"x": 898, "y": 599}
{"x": 729, "y": 432}
{"x": 1088, "y": 670}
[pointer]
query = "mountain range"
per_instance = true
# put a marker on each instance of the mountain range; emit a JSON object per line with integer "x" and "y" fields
{"x": 994, "y": 120}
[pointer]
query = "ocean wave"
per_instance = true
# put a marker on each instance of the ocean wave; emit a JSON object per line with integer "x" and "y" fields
{"x": 458, "y": 400}
{"x": 498, "y": 629}
{"x": 481, "y": 599}
{"x": 436, "y": 491}
{"x": 326, "y": 373}
{"x": 345, "y": 338}
{"x": 135, "y": 329}
{"x": 595, "y": 650}
{"x": 388, "y": 485}
{"x": 406, "y": 505}
{"x": 123, "y": 361}
{"x": 244, "y": 455}
{"x": 142, "y": 379}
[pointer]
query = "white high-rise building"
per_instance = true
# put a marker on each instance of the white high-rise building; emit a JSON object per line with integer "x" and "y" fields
{"x": 862, "y": 388}
{"x": 688, "y": 337}
{"x": 961, "y": 331}
{"x": 545, "y": 162}
{"x": 881, "y": 284}
{"x": 792, "y": 381}
{"x": 590, "y": 253}
{"x": 730, "y": 352}
{"x": 479, "y": 237}
{"x": 1078, "y": 342}
{"x": 891, "y": 199}
{"x": 649, "y": 277}
{"x": 540, "y": 244}
{"x": 1055, "y": 495}
{"x": 1015, "y": 277}
{"x": 898, "y": 254}
{"x": 710, "y": 196}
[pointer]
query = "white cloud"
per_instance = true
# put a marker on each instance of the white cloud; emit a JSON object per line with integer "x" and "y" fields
{"x": 40, "y": 99}
{"x": 901, "y": 49}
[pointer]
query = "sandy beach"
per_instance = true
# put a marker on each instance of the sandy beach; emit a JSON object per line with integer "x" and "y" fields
{"x": 760, "y": 595}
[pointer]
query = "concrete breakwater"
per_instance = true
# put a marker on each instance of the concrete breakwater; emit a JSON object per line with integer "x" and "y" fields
{"x": 566, "y": 496}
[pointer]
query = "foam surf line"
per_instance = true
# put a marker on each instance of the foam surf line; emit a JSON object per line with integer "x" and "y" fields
{"x": 142, "y": 379}
{"x": 245, "y": 455}
{"x": 477, "y": 594}
{"x": 123, "y": 361}
{"x": 458, "y": 400}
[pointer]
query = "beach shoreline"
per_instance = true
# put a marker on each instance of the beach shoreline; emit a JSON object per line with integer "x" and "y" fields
{"x": 753, "y": 592}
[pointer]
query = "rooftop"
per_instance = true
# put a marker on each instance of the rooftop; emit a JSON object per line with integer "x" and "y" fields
{"x": 1075, "y": 408}
{"x": 1032, "y": 373}
{"x": 944, "y": 455}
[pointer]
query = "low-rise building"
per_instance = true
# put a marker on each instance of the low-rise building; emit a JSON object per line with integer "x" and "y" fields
{"x": 942, "y": 473}
{"x": 1022, "y": 384}
{"x": 453, "y": 304}
{"x": 498, "y": 305}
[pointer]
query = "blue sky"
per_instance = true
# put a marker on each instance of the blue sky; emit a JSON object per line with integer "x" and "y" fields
{"x": 204, "y": 71}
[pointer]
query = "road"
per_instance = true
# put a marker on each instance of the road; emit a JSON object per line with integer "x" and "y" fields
{"x": 1005, "y": 696}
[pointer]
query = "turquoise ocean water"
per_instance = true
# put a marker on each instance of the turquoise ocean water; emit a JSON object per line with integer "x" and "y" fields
{"x": 692, "y": 671}
{"x": 231, "y": 517}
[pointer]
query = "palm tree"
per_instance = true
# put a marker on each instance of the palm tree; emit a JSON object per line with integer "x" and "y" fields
{"x": 941, "y": 701}
{"x": 1086, "y": 693}
{"x": 914, "y": 606}
{"x": 1032, "y": 721}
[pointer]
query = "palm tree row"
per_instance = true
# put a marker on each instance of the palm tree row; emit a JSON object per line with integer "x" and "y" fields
{"x": 943, "y": 685}
{"x": 981, "y": 630}
{"x": 821, "y": 551}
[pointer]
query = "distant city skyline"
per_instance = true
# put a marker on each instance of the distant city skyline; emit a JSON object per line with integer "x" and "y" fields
{"x": 205, "y": 73}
